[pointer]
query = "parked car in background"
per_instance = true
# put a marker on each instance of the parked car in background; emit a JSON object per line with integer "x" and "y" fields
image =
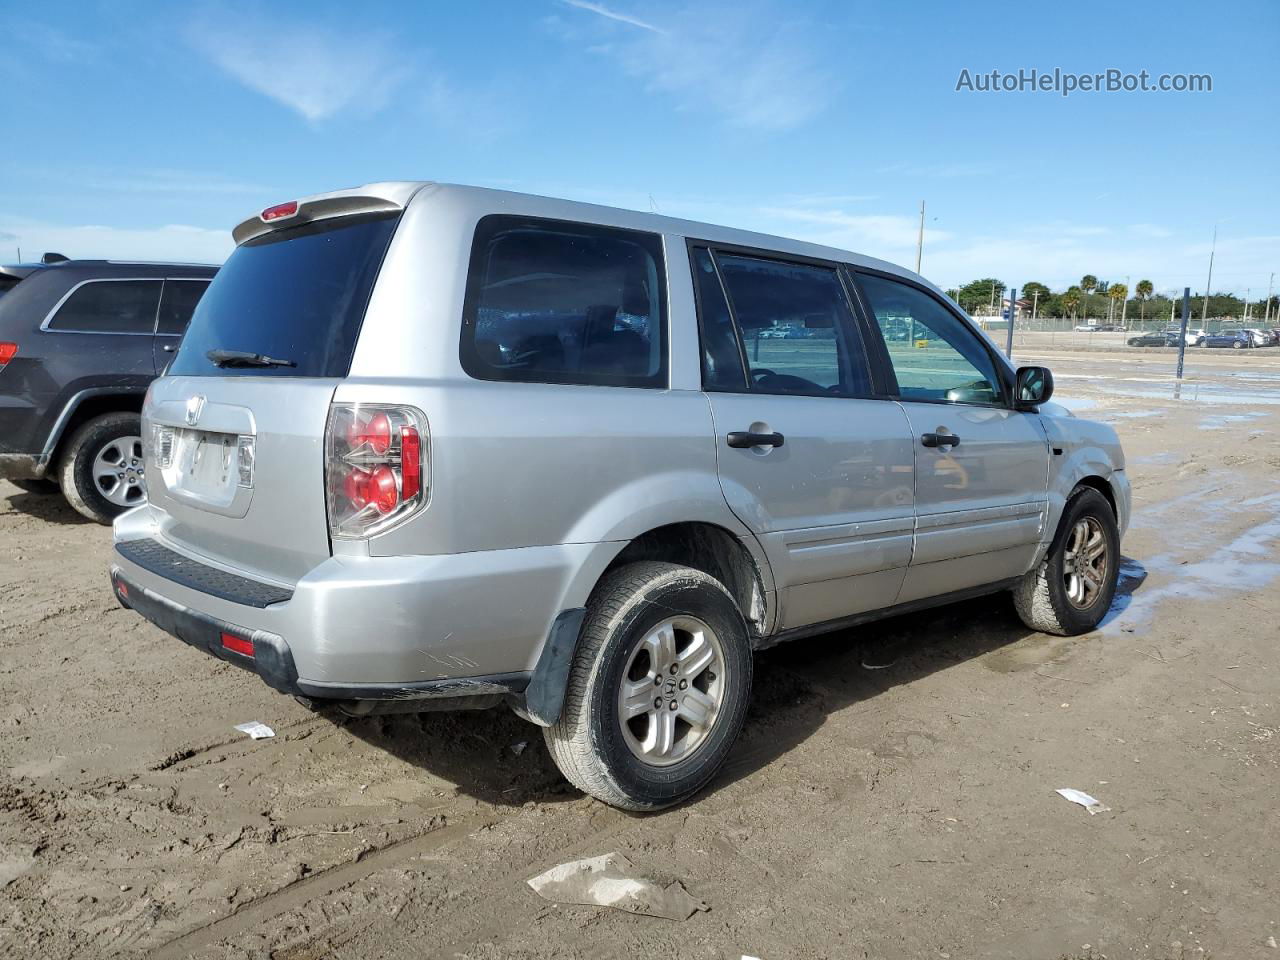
{"x": 1195, "y": 335}
{"x": 410, "y": 457}
{"x": 1234, "y": 339}
{"x": 80, "y": 341}
{"x": 1263, "y": 338}
{"x": 1157, "y": 339}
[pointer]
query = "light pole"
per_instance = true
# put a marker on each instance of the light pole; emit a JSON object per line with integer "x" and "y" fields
{"x": 1266, "y": 317}
{"x": 920, "y": 238}
{"x": 1204, "y": 312}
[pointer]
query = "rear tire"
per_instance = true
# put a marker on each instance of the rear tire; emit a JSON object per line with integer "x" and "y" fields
{"x": 668, "y": 646}
{"x": 1071, "y": 590}
{"x": 113, "y": 438}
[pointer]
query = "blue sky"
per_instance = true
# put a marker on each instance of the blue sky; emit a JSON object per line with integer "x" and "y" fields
{"x": 149, "y": 129}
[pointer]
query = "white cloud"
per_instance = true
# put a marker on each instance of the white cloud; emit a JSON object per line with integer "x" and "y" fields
{"x": 748, "y": 62}
{"x": 176, "y": 242}
{"x": 310, "y": 69}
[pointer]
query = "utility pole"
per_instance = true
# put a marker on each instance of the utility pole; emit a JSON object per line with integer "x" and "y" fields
{"x": 1034, "y": 301}
{"x": 1013, "y": 312}
{"x": 920, "y": 238}
{"x": 1124, "y": 306}
{"x": 1247, "y": 291}
{"x": 1266, "y": 317}
{"x": 1204, "y": 312}
{"x": 1182, "y": 340}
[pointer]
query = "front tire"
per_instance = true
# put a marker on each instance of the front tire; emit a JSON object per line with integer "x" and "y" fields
{"x": 1072, "y": 588}
{"x": 658, "y": 688}
{"x": 101, "y": 471}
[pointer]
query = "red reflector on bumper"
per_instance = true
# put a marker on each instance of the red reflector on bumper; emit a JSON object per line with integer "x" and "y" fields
{"x": 237, "y": 644}
{"x": 123, "y": 588}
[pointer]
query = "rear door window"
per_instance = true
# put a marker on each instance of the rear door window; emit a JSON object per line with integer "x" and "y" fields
{"x": 550, "y": 301}
{"x": 109, "y": 306}
{"x": 177, "y": 303}
{"x": 297, "y": 294}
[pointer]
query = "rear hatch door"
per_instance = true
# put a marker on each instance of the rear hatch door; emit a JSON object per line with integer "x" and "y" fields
{"x": 235, "y": 444}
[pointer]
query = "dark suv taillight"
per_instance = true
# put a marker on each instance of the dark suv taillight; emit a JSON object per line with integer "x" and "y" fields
{"x": 7, "y": 352}
{"x": 375, "y": 467}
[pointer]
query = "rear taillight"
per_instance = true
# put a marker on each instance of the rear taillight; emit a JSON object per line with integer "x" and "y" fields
{"x": 375, "y": 467}
{"x": 7, "y": 352}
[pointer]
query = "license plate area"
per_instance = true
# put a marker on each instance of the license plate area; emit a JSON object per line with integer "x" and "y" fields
{"x": 204, "y": 470}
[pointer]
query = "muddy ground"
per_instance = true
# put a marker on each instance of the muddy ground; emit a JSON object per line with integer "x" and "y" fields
{"x": 906, "y": 812}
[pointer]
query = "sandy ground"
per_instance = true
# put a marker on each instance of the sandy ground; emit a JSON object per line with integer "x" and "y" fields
{"x": 902, "y": 812}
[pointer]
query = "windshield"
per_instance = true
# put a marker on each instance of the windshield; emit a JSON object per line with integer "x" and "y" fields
{"x": 296, "y": 295}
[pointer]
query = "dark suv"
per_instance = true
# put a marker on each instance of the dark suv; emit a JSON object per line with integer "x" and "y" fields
{"x": 80, "y": 341}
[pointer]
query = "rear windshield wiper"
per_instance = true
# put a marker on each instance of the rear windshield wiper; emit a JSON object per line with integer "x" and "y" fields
{"x": 243, "y": 358}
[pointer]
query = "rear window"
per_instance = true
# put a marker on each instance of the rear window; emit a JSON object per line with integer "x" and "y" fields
{"x": 550, "y": 301}
{"x": 109, "y": 306}
{"x": 298, "y": 295}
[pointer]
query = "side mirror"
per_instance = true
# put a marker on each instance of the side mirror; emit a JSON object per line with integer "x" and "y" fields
{"x": 1034, "y": 386}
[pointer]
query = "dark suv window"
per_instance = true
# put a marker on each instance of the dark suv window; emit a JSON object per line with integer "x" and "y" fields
{"x": 556, "y": 302}
{"x": 177, "y": 303}
{"x": 298, "y": 294}
{"x": 109, "y": 306}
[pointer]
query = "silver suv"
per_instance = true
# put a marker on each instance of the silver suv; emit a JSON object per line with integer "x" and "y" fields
{"x": 437, "y": 447}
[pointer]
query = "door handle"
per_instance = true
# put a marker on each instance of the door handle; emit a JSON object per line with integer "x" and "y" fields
{"x": 168, "y": 348}
{"x": 741, "y": 439}
{"x": 939, "y": 440}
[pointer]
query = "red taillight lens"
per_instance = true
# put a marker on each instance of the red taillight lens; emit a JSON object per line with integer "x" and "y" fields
{"x": 376, "y": 432}
{"x": 383, "y": 492}
{"x": 237, "y": 644}
{"x": 410, "y": 462}
{"x": 375, "y": 467}
{"x": 7, "y": 352}
{"x": 281, "y": 211}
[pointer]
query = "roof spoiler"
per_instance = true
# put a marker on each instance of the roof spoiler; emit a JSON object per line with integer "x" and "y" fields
{"x": 321, "y": 208}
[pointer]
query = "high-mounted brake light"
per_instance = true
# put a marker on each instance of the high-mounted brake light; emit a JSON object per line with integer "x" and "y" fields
{"x": 281, "y": 211}
{"x": 7, "y": 352}
{"x": 375, "y": 467}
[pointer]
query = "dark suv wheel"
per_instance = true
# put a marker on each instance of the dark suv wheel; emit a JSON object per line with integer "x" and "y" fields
{"x": 101, "y": 470}
{"x": 658, "y": 688}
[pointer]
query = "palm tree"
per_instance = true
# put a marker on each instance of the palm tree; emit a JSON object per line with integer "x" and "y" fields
{"x": 1144, "y": 289}
{"x": 1070, "y": 299}
{"x": 1087, "y": 284}
{"x": 1118, "y": 293}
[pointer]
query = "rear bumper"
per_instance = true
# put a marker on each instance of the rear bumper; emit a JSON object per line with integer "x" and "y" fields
{"x": 359, "y": 627}
{"x": 272, "y": 658}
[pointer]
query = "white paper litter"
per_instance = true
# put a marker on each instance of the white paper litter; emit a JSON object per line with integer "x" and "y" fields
{"x": 1082, "y": 798}
{"x": 258, "y": 731}
{"x": 610, "y": 881}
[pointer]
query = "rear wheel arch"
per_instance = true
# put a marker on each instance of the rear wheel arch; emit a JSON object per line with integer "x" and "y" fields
{"x": 79, "y": 410}
{"x": 712, "y": 549}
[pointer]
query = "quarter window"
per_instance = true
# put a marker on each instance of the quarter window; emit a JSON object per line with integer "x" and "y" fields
{"x": 556, "y": 302}
{"x": 721, "y": 354}
{"x": 177, "y": 303}
{"x": 934, "y": 356}
{"x": 110, "y": 306}
{"x": 797, "y": 332}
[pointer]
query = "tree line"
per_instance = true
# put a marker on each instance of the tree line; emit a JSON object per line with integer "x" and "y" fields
{"x": 1101, "y": 299}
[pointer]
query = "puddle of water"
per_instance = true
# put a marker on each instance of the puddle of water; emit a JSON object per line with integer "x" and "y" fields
{"x": 1135, "y": 414}
{"x": 1247, "y": 563}
{"x": 1225, "y": 419}
{"x": 1132, "y": 575}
